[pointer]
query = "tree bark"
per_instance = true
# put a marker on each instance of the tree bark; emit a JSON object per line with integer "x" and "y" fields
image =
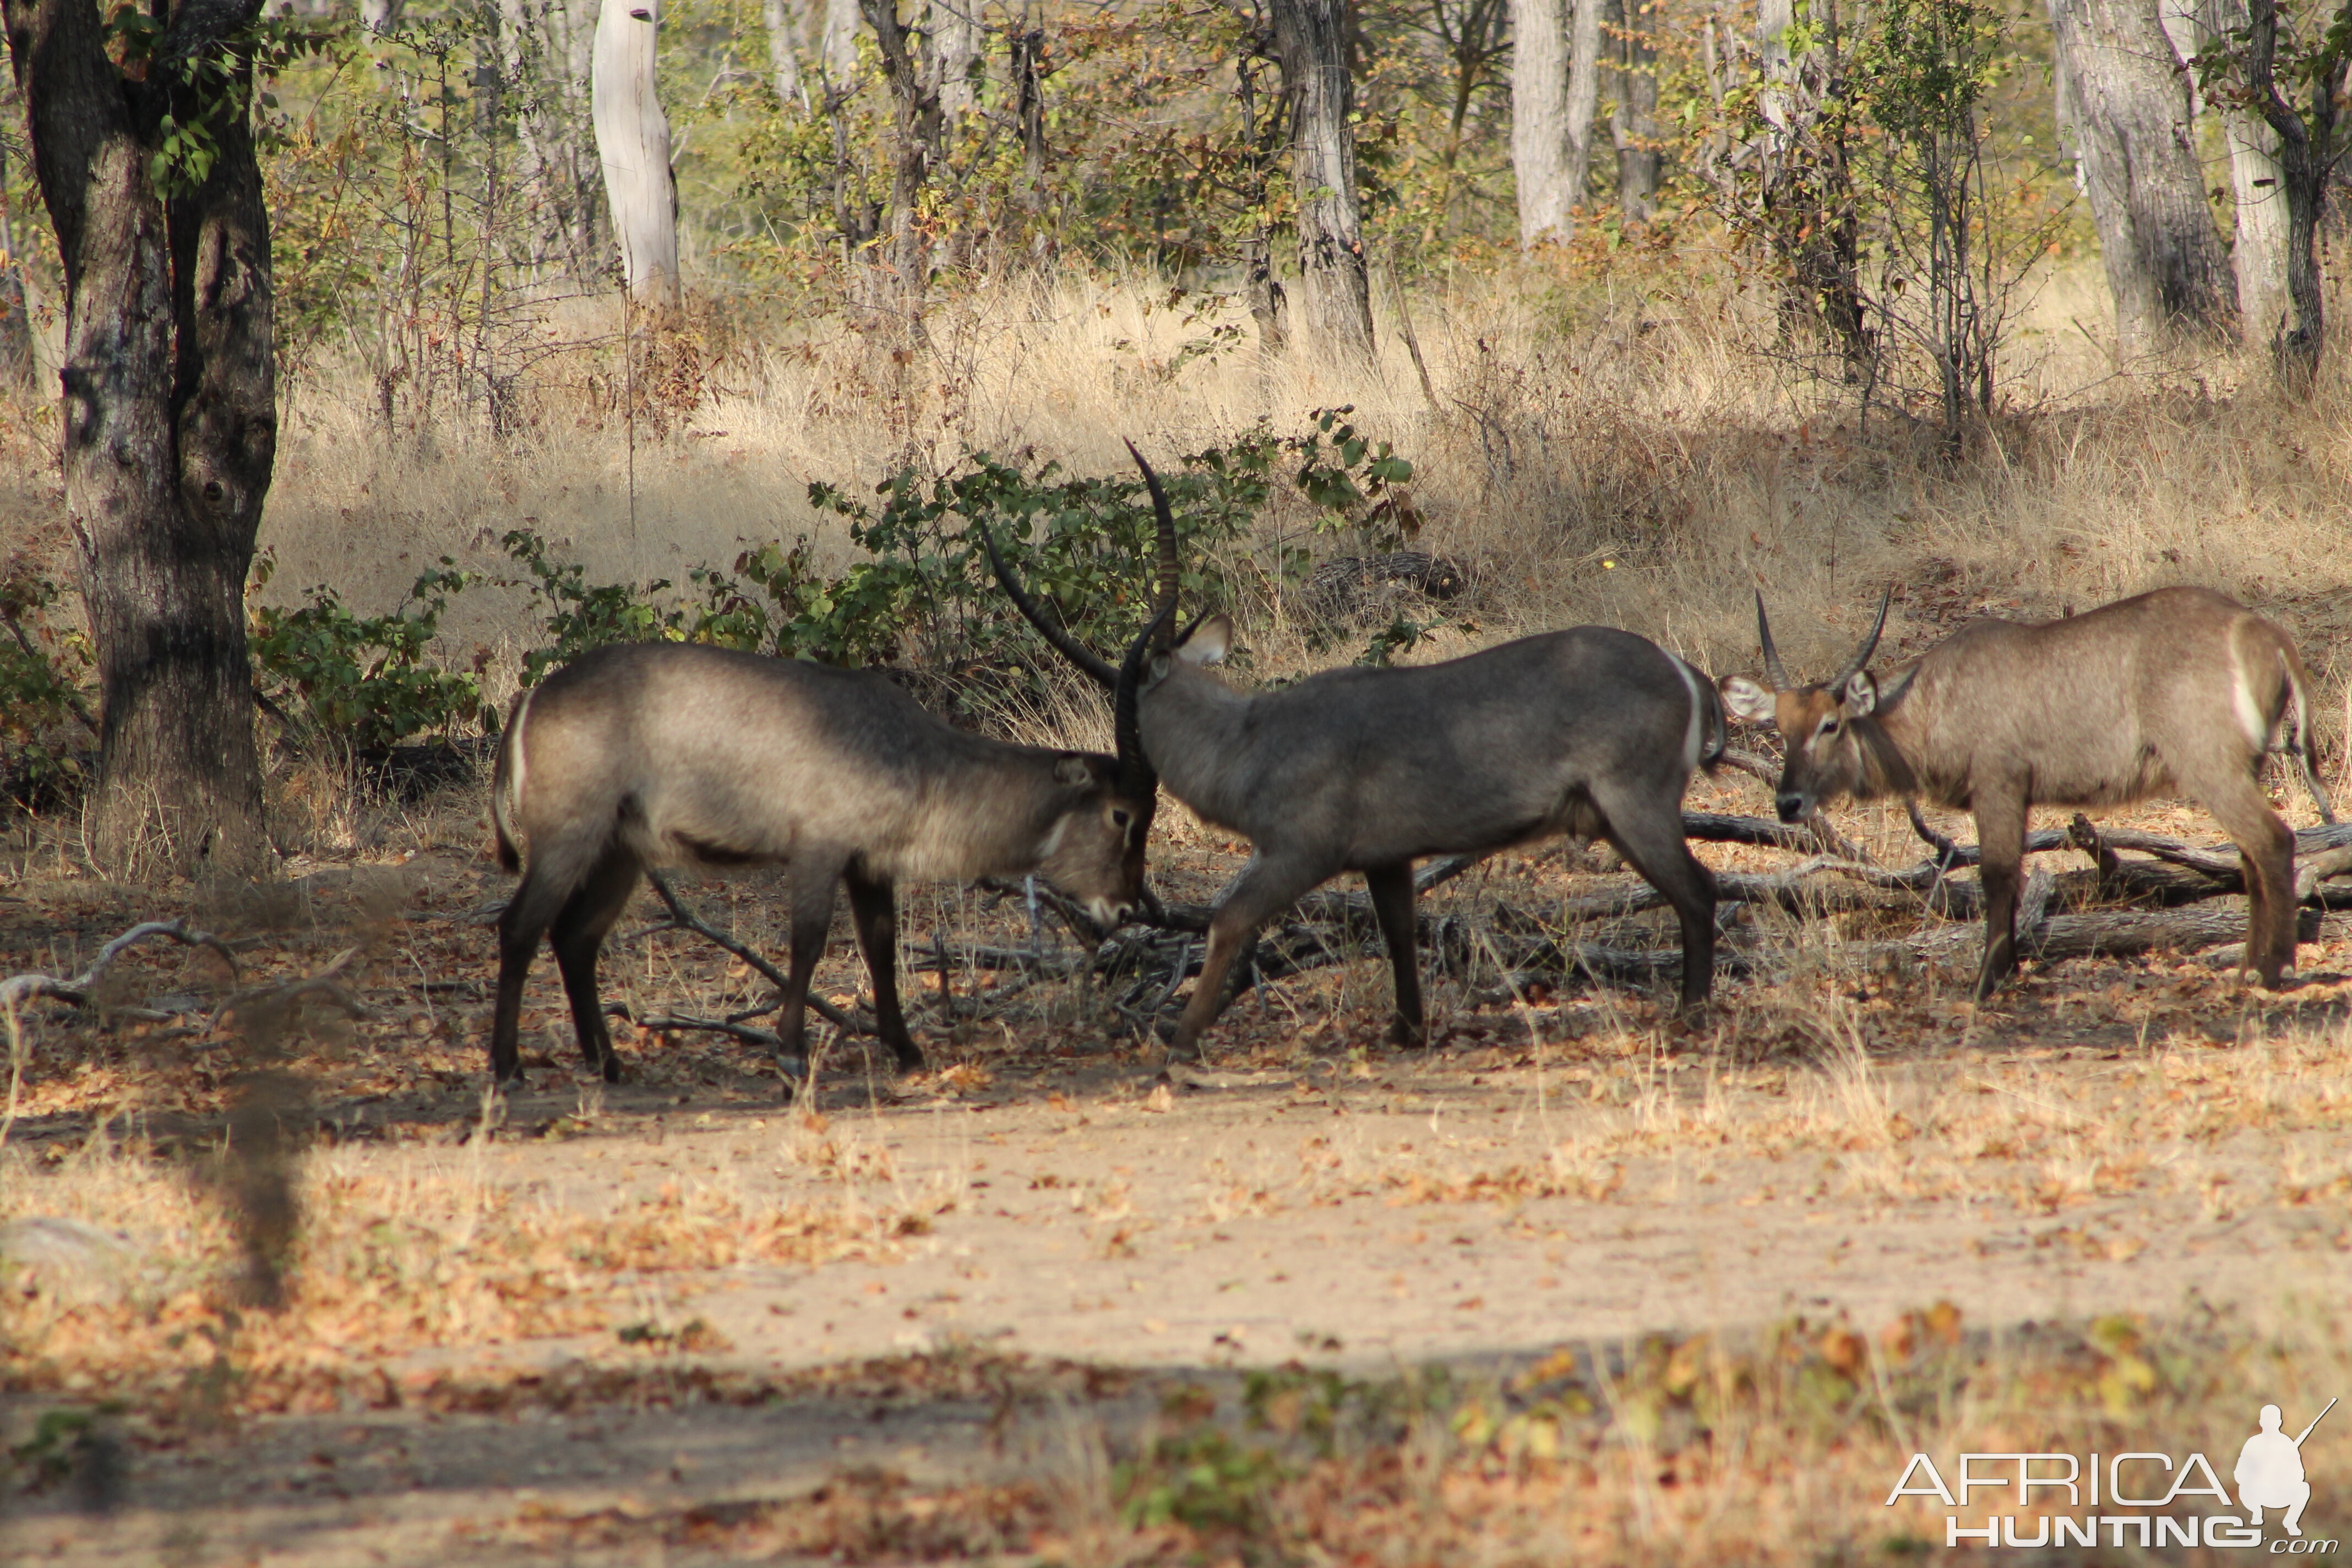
{"x": 838, "y": 50}
{"x": 1633, "y": 124}
{"x": 2136, "y": 142}
{"x": 916, "y": 138}
{"x": 1028, "y": 72}
{"x": 954, "y": 43}
{"x": 1310, "y": 40}
{"x": 170, "y": 416}
{"x": 784, "y": 54}
{"x": 2308, "y": 154}
{"x": 633, "y": 145}
{"x": 1555, "y": 89}
{"x": 2258, "y": 259}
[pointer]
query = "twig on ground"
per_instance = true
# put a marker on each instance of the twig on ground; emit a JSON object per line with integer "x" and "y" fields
{"x": 19, "y": 989}
{"x": 683, "y": 918}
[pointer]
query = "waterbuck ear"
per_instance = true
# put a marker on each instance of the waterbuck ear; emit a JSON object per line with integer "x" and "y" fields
{"x": 1076, "y": 770}
{"x": 1859, "y": 696}
{"x": 1749, "y": 700}
{"x": 1208, "y": 642}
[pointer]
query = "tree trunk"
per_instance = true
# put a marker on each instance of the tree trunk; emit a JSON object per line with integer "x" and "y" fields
{"x": 2307, "y": 155}
{"x": 954, "y": 41}
{"x": 784, "y": 54}
{"x": 633, "y": 144}
{"x": 1555, "y": 87}
{"x": 1633, "y": 126}
{"x": 169, "y": 416}
{"x": 2136, "y": 142}
{"x": 1310, "y": 40}
{"x": 838, "y": 51}
{"x": 1028, "y": 72}
{"x": 916, "y": 133}
{"x": 380, "y": 16}
{"x": 2258, "y": 256}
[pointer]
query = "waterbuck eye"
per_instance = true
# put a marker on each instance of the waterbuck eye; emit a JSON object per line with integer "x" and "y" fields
{"x": 1119, "y": 818}
{"x": 1829, "y": 727}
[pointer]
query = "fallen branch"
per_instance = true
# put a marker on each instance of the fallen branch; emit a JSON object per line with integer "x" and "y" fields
{"x": 679, "y": 1022}
{"x": 19, "y": 989}
{"x": 683, "y": 918}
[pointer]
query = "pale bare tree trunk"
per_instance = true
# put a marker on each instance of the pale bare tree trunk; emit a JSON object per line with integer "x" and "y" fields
{"x": 2259, "y": 256}
{"x": 1555, "y": 89}
{"x": 784, "y": 52}
{"x": 2128, "y": 111}
{"x": 1633, "y": 126}
{"x": 954, "y": 28}
{"x": 1311, "y": 41}
{"x": 380, "y": 16}
{"x": 838, "y": 51}
{"x": 633, "y": 144}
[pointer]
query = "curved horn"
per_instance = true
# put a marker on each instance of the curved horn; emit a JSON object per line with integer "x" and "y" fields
{"x": 1773, "y": 670}
{"x": 1869, "y": 644}
{"x": 1089, "y": 663}
{"x": 1165, "y": 521}
{"x": 1135, "y": 775}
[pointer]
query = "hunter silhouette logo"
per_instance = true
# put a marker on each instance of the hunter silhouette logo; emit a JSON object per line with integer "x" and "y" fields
{"x": 2270, "y": 1471}
{"x": 2137, "y": 1499}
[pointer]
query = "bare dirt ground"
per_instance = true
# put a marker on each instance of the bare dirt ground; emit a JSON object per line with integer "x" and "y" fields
{"x": 1038, "y": 1304}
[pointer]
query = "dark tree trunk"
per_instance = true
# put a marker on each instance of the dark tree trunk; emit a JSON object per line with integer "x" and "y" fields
{"x": 915, "y": 146}
{"x": 2128, "y": 108}
{"x": 1633, "y": 60}
{"x": 1269, "y": 306}
{"x": 1310, "y": 37}
{"x": 1028, "y": 72}
{"x": 169, "y": 416}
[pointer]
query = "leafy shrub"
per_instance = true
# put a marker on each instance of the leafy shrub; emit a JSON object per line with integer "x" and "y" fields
{"x": 365, "y": 680}
{"x": 44, "y": 699}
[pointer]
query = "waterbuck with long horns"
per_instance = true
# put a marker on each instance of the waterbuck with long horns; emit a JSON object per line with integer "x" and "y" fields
{"x": 1590, "y": 732}
{"x": 663, "y": 753}
{"x": 2179, "y": 691}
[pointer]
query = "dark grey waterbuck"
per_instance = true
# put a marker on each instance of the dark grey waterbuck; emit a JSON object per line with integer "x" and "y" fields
{"x": 1590, "y": 731}
{"x": 2180, "y": 692}
{"x": 663, "y": 753}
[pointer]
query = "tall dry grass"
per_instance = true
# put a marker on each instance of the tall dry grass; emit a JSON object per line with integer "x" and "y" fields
{"x": 1634, "y": 450}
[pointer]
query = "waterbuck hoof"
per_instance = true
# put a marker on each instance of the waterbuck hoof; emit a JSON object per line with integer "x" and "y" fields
{"x": 1407, "y": 1035}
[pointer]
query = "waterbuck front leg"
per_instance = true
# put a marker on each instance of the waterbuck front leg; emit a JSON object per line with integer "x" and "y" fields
{"x": 874, "y": 909}
{"x": 1646, "y": 828}
{"x": 814, "y": 876}
{"x": 1392, "y": 906}
{"x": 1264, "y": 890}
{"x": 2000, "y": 862}
{"x": 577, "y": 937}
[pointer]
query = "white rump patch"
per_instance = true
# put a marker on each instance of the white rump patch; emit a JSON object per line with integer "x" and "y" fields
{"x": 515, "y": 774}
{"x": 1694, "y": 732}
{"x": 2250, "y": 714}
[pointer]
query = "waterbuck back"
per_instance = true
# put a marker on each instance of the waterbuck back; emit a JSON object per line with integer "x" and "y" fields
{"x": 668, "y": 753}
{"x": 1590, "y": 732}
{"x": 2180, "y": 691}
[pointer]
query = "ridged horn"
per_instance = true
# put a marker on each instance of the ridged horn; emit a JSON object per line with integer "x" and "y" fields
{"x": 1137, "y": 778}
{"x": 1773, "y": 672}
{"x": 1164, "y": 611}
{"x": 1869, "y": 644}
{"x": 1089, "y": 663}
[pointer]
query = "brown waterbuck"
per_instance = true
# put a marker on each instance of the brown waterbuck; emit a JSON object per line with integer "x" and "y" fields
{"x": 665, "y": 753}
{"x": 1590, "y": 731}
{"x": 2179, "y": 691}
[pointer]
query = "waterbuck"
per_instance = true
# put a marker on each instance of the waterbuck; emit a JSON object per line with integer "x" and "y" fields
{"x": 1590, "y": 732}
{"x": 661, "y": 753}
{"x": 2182, "y": 691}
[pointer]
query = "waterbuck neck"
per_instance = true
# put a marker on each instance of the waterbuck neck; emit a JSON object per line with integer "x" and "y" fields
{"x": 1197, "y": 733}
{"x": 994, "y": 817}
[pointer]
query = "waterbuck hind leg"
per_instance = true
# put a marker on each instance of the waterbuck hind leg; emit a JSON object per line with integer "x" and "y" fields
{"x": 2000, "y": 850}
{"x": 537, "y": 899}
{"x": 578, "y": 936}
{"x": 874, "y": 909}
{"x": 1646, "y": 829}
{"x": 2267, "y": 847}
{"x": 1264, "y": 890}
{"x": 1392, "y": 906}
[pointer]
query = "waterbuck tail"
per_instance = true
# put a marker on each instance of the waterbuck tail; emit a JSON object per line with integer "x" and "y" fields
{"x": 2299, "y": 741}
{"x": 507, "y": 777}
{"x": 1090, "y": 664}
